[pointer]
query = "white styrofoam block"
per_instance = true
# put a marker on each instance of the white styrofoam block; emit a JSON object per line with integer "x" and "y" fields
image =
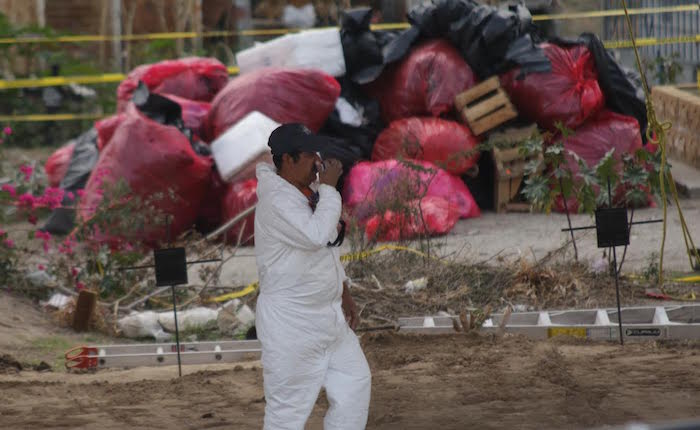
{"x": 242, "y": 144}
{"x": 311, "y": 49}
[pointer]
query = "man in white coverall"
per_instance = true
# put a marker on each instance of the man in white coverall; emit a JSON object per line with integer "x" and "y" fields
{"x": 305, "y": 316}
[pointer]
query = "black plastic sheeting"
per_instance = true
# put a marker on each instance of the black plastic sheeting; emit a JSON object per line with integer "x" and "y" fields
{"x": 367, "y": 52}
{"x": 490, "y": 39}
{"x": 167, "y": 112}
{"x": 622, "y": 87}
{"x": 361, "y": 138}
{"x": 83, "y": 160}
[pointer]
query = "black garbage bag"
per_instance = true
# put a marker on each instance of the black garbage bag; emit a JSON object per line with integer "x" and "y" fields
{"x": 167, "y": 112}
{"x": 362, "y": 129}
{"x": 367, "y": 52}
{"x": 491, "y": 40}
{"x": 622, "y": 87}
{"x": 83, "y": 160}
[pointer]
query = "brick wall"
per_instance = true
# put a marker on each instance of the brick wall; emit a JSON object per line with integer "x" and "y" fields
{"x": 682, "y": 109}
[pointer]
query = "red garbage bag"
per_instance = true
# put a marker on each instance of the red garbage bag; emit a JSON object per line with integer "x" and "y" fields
{"x": 424, "y": 83}
{"x": 239, "y": 197}
{"x": 105, "y": 129}
{"x": 569, "y": 93}
{"x": 57, "y": 164}
{"x": 152, "y": 159}
{"x": 603, "y": 132}
{"x": 436, "y": 216}
{"x": 447, "y": 144}
{"x": 305, "y": 96}
{"x": 192, "y": 78}
{"x": 209, "y": 216}
{"x": 193, "y": 115}
{"x": 373, "y": 187}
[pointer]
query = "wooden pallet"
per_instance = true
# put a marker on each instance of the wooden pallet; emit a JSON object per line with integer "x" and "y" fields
{"x": 485, "y": 106}
{"x": 510, "y": 168}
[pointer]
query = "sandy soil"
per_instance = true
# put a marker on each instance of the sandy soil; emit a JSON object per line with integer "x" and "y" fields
{"x": 446, "y": 382}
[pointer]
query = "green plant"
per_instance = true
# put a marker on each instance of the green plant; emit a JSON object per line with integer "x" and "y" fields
{"x": 665, "y": 69}
{"x": 623, "y": 179}
{"x": 651, "y": 271}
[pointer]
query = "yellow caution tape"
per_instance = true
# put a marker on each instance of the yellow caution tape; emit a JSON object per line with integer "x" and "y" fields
{"x": 233, "y": 70}
{"x": 617, "y": 12}
{"x": 281, "y": 31}
{"x": 686, "y": 279}
{"x": 53, "y": 81}
{"x": 366, "y": 254}
{"x": 345, "y": 258}
{"x": 238, "y": 294}
{"x": 52, "y": 117}
{"x": 651, "y": 41}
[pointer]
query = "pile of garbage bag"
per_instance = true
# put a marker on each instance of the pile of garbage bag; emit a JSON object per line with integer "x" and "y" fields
{"x": 186, "y": 132}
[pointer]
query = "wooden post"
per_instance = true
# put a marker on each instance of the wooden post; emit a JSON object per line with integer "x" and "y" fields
{"x": 84, "y": 309}
{"x": 116, "y": 10}
{"x": 197, "y": 25}
{"x": 41, "y": 13}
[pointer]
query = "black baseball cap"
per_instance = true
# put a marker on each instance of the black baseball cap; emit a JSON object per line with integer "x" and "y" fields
{"x": 295, "y": 137}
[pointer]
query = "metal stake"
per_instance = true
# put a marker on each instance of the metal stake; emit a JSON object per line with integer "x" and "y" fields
{"x": 177, "y": 332}
{"x": 617, "y": 277}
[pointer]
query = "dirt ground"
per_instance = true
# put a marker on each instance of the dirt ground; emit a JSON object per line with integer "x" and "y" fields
{"x": 446, "y": 382}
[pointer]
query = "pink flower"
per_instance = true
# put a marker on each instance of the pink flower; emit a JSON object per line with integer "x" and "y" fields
{"x": 70, "y": 195}
{"x": 9, "y": 189}
{"x": 7, "y": 130}
{"x": 27, "y": 200}
{"x": 45, "y": 236}
{"x": 52, "y": 197}
{"x": 41, "y": 267}
{"x": 74, "y": 271}
{"x": 79, "y": 286}
{"x": 9, "y": 243}
{"x": 27, "y": 170}
{"x": 67, "y": 248}
{"x": 32, "y": 219}
{"x": 80, "y": 193}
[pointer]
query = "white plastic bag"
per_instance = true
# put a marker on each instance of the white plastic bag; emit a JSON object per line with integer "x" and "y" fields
{"x": 58, "y": 301}
{"x": 348, "y": 113}
{"x": 189, "y": 319}
{"x": 242, "y": 145}
{"x": 141, "y": 324}
{"x": 311, "y": 49}
{"x": 299, "y": 17}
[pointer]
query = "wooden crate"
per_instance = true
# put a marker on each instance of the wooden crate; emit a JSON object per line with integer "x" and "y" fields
{"x": 485, "y": 106}
{"x": 510, "y": 168}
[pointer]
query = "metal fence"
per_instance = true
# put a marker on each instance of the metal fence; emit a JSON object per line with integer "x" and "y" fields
{"x": 665, "y": 25}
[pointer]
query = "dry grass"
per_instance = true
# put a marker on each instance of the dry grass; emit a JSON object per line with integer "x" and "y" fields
{"x": 455, "y": 286}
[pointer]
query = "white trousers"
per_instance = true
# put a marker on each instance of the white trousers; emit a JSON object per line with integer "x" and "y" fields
{"x": 293, "y": 379}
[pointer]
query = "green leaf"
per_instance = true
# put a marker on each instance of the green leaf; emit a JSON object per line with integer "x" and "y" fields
{"x": 565, "y": 186}
{"x": 605, "y": 169}
{"x": 636, "y": 197}
{"x": 537, "y": 191}
{"x": 531, "y": 146}
{"x": 563, "y": 130}
{"x": 587, "y": 200}
{"x": 635, "y": 175}
{"x": 532, "y": 166}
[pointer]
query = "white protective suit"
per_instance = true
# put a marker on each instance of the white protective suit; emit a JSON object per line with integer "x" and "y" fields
{"x": 306, "y": 342}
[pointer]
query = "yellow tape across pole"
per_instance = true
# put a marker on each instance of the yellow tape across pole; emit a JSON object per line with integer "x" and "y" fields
{"x": 280, "y": 31}
{"x": 52, "y": 117}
